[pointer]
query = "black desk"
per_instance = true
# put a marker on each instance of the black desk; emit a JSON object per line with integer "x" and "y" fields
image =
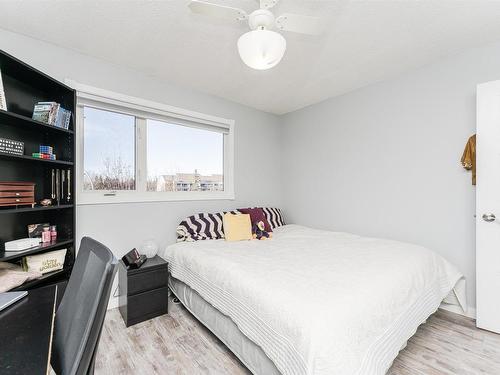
{"x": 26, "y": 333}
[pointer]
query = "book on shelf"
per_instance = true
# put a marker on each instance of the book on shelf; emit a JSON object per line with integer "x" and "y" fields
{"x": 42, "y": 112}
{"x": 62, "y": 119}
{"x": 3, "y": 103}
{"x": 52, "y": 113}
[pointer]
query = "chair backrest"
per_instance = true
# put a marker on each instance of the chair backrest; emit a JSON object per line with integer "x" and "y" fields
{"x": 80, "y": 316}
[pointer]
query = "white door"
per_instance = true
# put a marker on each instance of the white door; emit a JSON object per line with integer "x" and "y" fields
{"x": 488, "y": 206}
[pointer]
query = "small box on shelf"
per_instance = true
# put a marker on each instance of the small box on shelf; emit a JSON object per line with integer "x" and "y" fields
{"x": 17, "y": 193}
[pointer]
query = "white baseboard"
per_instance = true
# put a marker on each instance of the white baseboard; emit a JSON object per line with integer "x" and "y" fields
{"x": 470, "y": 313}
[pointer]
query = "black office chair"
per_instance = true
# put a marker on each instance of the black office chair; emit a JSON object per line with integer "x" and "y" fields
{"x": 80, "y": 316}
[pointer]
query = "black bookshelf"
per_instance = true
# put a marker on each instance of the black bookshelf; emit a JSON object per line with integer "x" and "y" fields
{"x": 25, "y": 86}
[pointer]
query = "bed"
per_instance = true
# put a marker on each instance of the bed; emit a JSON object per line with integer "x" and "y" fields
{"x": 310, "y": 301}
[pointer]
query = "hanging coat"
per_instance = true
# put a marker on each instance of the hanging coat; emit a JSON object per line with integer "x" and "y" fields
{"x": 469, "y": 157}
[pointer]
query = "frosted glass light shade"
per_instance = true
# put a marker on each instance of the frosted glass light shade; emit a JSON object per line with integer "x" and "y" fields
{"x": 149, "y": 248}
{"x": 261, "y": 49}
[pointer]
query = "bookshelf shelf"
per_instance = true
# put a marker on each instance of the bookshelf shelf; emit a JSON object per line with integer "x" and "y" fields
{"x": 43, "y": 280}
{"x": 31, "y": 158}
{"x": 25, "y": 87}
{"x": 20, "y": 121}
{"x": 8, "y": 255}
{"x": 34, "y": 209}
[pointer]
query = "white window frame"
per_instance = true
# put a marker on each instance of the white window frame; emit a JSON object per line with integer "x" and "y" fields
{"x": 143, "y": 110}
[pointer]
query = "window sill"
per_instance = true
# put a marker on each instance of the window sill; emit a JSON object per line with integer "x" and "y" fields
{"x": 95, "y": 198}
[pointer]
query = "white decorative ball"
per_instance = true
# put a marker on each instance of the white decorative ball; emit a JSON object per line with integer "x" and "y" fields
{"x": 149, "y": 248}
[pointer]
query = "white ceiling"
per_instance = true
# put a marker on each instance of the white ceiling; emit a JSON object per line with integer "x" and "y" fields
{"x": 365, "y": 42}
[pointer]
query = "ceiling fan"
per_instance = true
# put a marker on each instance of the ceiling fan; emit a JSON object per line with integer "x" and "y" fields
{"x": 261, "y": 48}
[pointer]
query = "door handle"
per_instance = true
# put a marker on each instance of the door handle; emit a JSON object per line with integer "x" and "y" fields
{"x": 489, "y": 217}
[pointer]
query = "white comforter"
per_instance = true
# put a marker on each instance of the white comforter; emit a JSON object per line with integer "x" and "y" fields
{"x": 319, "y": 302}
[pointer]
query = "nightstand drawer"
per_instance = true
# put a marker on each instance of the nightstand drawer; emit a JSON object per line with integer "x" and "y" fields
{"x": 147, "y": 305}
{"x": 149, "y": 280}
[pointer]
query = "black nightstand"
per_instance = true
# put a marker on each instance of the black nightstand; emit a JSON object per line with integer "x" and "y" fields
{"x": 143, "y": 291}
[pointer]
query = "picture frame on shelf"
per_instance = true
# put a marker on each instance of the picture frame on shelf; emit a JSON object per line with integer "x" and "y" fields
{"x": 35, "y": 230}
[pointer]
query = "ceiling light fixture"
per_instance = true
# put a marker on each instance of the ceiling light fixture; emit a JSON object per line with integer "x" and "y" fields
{"x": 261, "y": 49}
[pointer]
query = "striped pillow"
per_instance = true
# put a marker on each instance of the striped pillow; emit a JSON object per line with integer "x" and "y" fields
{"x": 274, "y": 216}
{"x": 203, "y": 226}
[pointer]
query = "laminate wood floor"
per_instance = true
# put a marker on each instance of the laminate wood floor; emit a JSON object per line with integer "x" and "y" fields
{"x": 448, "y": 344}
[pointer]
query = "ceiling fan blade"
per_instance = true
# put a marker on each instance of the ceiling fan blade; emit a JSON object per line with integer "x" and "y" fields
{"x": 268, "y": 4}
{"x": 219, "y": 11}
{"x": 300, "y": 24}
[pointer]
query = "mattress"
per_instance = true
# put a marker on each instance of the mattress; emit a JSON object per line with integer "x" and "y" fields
{"x": 225, "y": 329}
{"x": 365, "y": 296}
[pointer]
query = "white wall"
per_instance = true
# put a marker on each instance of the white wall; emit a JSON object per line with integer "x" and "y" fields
{"x": 124, "y": 226}
{"x": 381, "y": 161}
{"x": 384, "y": 161}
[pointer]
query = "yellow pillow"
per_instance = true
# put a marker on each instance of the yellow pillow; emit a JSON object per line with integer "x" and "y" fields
{"x": 237, "y": 227}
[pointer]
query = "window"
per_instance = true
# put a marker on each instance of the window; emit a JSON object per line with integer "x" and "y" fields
{"x": 132, "y": 150}
{"x": 181, "y": 158}
{"x": 105, "y": 167}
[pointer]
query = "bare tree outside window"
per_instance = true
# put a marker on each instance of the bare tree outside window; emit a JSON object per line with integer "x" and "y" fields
{"x": 115, "y": 175}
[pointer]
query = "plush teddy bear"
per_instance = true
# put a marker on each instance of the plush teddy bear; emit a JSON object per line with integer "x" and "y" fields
{"x": 259, "y": 231}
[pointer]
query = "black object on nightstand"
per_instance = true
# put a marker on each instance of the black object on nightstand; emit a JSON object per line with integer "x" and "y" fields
{"x": 143, "y": 291}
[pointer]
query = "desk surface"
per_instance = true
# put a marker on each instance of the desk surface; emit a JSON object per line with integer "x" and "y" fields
{"x": 26, "y": 333}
